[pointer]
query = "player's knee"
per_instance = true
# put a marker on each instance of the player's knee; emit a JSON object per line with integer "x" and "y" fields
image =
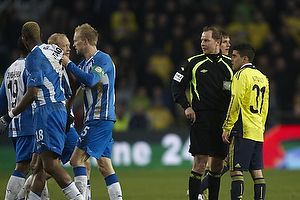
{"x": 34, "y": 165}
{"x": 74, "y": 162}
{"x": 199, "y": 167}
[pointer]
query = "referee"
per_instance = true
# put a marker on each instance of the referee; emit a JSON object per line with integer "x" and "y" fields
{"x": 208, "y": 76}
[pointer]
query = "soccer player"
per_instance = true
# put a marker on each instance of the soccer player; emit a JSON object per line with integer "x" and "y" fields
{"x": 225, "y": 44}
{"x": 96, "y": 74}
{"x": 209, "y": 76}
{"x": 47, "y": 87}
{"x": 21, "y": 129}
{"x": 62, "y": 42}
{"x": 244, "y": 126}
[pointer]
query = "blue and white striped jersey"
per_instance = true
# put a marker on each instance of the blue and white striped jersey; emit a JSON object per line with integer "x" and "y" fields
{"x": 46, "y": 72}
{"x": 99, "y": 99}
{"x": 12, "y": 90}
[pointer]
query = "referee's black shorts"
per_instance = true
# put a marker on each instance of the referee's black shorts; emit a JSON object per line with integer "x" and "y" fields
{"x": 206, "y": 134}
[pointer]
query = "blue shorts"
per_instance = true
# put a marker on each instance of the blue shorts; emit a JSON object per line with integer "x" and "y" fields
{"x": 23, "y": 147}
{"x": 245, "y": 154}
{"x": 72, "y": 137}
{"x": 50, "y": 123}
{"x": 96, "y": 138}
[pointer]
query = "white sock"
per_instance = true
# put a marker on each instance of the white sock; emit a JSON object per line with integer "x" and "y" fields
{"x": 114, "y": 191}
{"x": 25, "y": 188}
{"x": 81, "y": 184}
{"x": 33, "y": 196}
{"x": 45, "y": 193}
{"x": 88, "y": 191}
{"x": 14, "y": 185}
{"x": 80, "y": 179}
{"x": 72, "y": 193}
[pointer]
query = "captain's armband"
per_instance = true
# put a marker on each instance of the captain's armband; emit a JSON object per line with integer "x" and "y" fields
{"x": 98, "y": 70}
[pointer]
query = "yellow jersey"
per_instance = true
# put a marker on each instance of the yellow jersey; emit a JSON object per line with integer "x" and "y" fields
{"x": 248, "y": 109}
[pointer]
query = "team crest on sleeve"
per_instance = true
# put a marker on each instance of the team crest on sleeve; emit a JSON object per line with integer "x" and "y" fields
{"x": 98, "y": 69}
{"x": 178, "y": 77}
{"x": 226, "y": 85}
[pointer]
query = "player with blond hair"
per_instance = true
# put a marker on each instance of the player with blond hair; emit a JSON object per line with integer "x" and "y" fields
{"x": 96, "y": 73}
{"x": 48, "y": 87}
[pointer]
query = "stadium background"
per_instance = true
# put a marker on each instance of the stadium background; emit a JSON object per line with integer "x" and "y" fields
{"x": 148, "y": 40}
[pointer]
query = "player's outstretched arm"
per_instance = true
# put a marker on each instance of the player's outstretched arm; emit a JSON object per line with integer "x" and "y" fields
{"x": 25, "y": 102}
{"x": 88, "y": 79}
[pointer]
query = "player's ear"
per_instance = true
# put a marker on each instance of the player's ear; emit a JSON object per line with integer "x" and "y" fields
{"x": 86, "y": 41}
{"x": 246, "y": 59}
{"x": 24, "y": 39}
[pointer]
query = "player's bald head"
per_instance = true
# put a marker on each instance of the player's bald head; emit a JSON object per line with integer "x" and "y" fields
{"x": 31, "y": 30}
{"x": 55, "y": 37}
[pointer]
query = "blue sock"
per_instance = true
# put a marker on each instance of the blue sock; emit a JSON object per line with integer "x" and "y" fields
{"x": 18, "y": 174}
{"x": 38, "y": 194}
{"x": 79, "y": 171}
{"x": 111, "y": 179}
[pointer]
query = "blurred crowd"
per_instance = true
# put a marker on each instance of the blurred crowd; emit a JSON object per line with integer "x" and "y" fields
{"x": 148, "y": 40}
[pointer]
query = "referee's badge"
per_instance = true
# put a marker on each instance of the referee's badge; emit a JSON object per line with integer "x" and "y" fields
{"x": 226, "y": 85}
{"x": 178, "y": 77}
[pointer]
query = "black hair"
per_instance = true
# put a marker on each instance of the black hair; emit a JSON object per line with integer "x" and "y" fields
{"x": 245, "y": 50}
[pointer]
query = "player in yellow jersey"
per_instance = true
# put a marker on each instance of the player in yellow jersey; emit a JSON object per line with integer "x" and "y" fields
{"x": 244, "y": 126}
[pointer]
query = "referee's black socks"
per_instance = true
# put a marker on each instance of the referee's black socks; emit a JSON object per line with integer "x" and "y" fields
{"x": 194, "y": 185}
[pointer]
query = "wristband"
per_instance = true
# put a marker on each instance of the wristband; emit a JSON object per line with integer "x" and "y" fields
{"x": 11, "y": 114}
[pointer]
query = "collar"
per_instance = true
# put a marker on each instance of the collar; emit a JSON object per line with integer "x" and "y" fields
{"x": 249, "y": 65}
{"x": 214, "y": 57}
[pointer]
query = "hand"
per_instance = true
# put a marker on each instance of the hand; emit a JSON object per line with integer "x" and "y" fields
{"x": 65, "y": 60}
{"x": 190, "y": 114}
{"x": 4, "y": 123}
{"x": 70, "y": 121}
{"x": 225, "y": 137}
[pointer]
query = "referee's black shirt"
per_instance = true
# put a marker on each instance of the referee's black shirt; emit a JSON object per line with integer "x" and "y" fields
{"x": 209, "y": 77}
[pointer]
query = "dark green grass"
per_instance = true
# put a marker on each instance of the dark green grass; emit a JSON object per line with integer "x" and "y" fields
{"x": 141, "y": 184}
